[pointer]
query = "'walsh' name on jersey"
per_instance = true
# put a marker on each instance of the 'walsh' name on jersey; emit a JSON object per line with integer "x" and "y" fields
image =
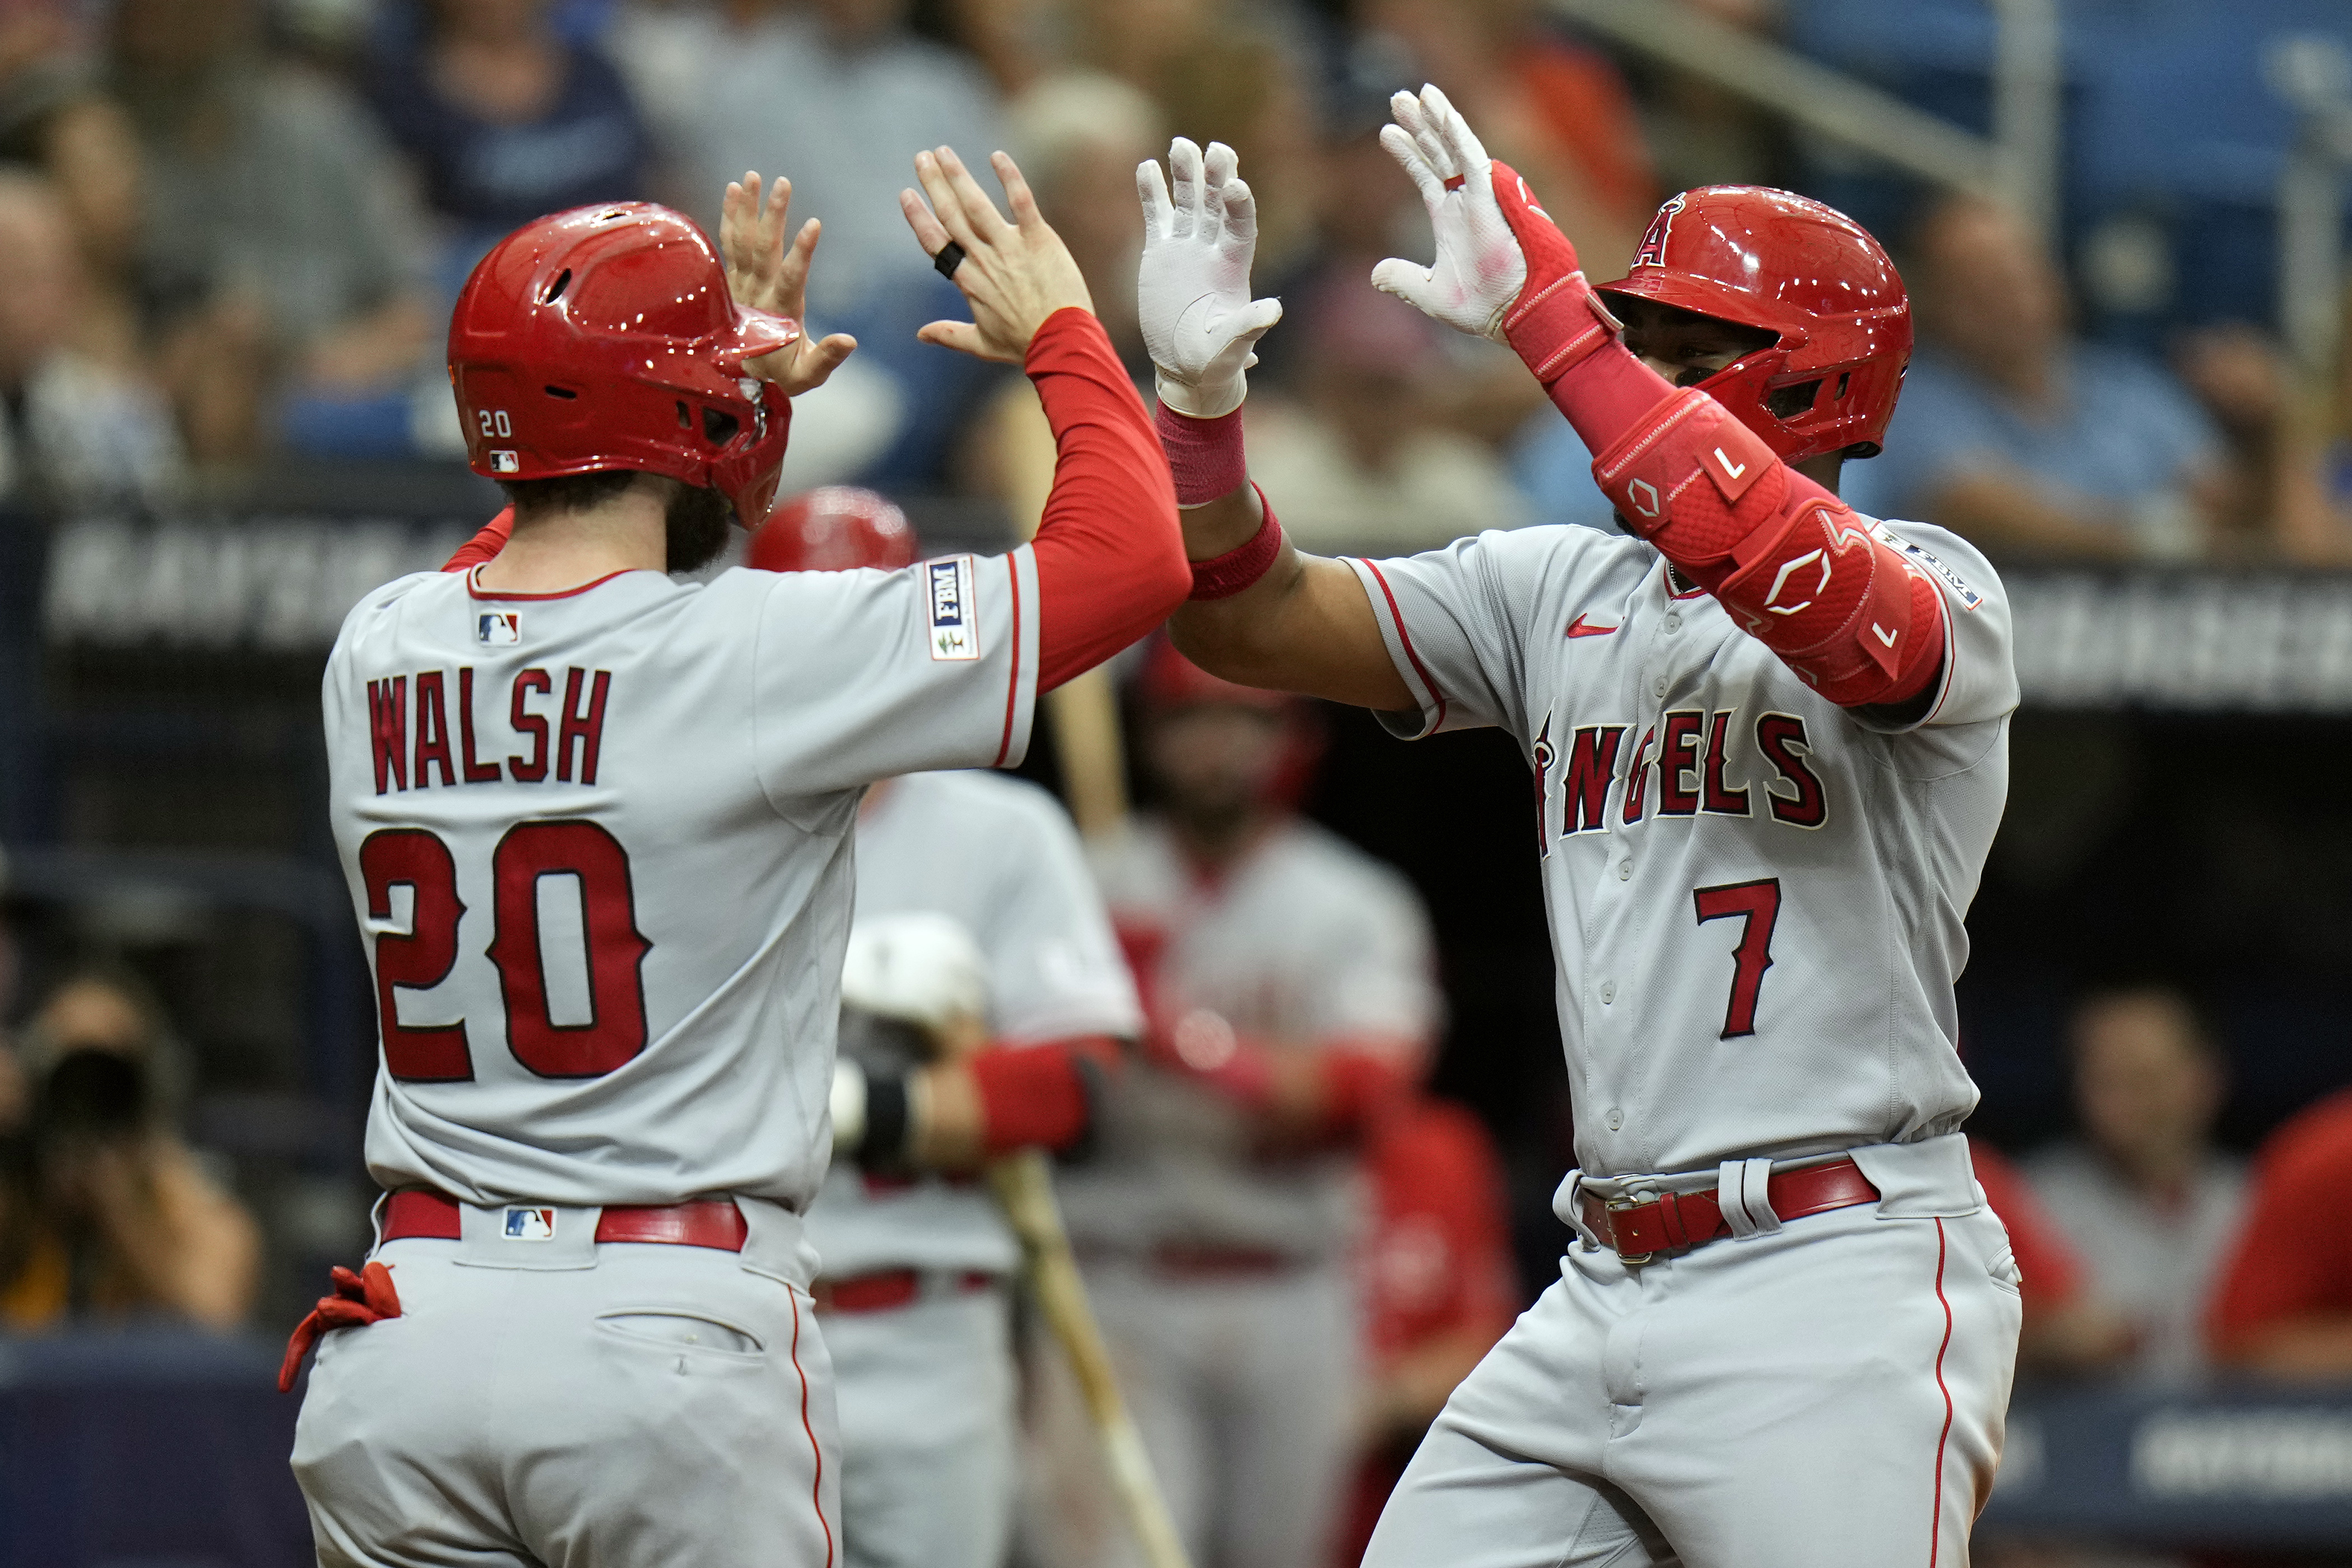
{"x": 1690, "y": 752}
{"x": 575, "y": 727}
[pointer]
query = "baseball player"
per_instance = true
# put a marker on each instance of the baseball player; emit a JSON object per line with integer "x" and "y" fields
{"x": 1767, "y": 740}
{"x": 1288, "y": 982}
{"x": 597, "y": 827}
{"x": 981, "y": 944}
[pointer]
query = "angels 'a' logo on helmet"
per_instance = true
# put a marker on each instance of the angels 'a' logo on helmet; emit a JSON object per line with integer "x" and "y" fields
{"x": 1654, "y": 239}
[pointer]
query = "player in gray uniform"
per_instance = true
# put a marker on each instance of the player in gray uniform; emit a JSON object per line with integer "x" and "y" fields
{"x": 597, "y": 827}
{"x": 1769, "y": 741}
{"x": 975, "y": 917}
{"x": 1289, "y": 982}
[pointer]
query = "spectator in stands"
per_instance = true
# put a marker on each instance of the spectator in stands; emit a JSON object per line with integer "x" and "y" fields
{"x": 1439, "y": 1289}
{"x": 2068, "y": 1331}
{"x": 2277, "y": 462}
{"x": 2144, "y": 1196}
{"x": 122, "y": 1220}
{"x": 1360, "y": 461}
{"x": 291, "y": 260}
{"x": 74, "y": 430}
{"x": 2283, "y": 1306}
{"x": 2022, "y": 438}
{"x": 54, "y": 118}
{"x": 503, "y": 119}
{"x": 838, "y": 96}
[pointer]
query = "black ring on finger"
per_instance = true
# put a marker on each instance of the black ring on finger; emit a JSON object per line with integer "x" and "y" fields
{"x": 947, "y": 258}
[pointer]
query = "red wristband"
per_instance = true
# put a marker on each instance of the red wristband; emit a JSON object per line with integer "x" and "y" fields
{"x": 1222, "y": 576}
{"x": 1205, "y": 455}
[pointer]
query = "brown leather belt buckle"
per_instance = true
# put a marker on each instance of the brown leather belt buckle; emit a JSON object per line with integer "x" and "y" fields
{"x": 1619, "y": 1206}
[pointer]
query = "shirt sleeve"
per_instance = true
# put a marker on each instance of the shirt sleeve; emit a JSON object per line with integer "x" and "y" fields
{"x": 862, "y": 675}
{"x": 1456, "y": 621}
{"x": 1979, "y": 677}
{"x": 1054, "y": 964}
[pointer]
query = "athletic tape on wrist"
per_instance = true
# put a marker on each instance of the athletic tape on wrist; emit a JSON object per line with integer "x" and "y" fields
{"x": 1205, "y": 455}
{"x": 1222, "y": 576}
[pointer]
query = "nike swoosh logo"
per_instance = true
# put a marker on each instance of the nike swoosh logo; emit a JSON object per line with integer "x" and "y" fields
{"x": 1581, "y": 628}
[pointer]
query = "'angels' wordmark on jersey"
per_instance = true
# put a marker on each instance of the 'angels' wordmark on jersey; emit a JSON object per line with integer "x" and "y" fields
{"x": 1689, "y": 751}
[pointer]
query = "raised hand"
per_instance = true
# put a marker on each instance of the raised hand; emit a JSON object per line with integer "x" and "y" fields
{"x": 1013, "y": 274}
{"x": 764, "y": 274}
{"x": 1480, "y": 267}
{"x": 1193, "y": 289}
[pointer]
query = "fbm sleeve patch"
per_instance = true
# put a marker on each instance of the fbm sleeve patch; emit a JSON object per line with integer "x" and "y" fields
{"x": 955, "y": 615}
{"x": 1928, "y": 562}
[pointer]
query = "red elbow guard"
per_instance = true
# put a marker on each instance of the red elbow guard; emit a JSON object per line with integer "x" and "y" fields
{"x": 1034, "y": 1095}
{"x": 1803, "y": 572}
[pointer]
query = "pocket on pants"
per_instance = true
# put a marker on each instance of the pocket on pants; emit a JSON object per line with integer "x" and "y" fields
{"x": 672, "y": 1329}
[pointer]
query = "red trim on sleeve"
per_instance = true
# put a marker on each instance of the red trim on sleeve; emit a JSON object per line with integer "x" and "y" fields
{"x": 1013, "y": 692}
{"x": 1405, "y": 637}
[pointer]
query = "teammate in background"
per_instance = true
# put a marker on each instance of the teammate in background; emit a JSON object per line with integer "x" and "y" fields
{"x": 983, "y": 990}
{"x": 2283, "y": 1305}
{"x": 596, "y": 824}
{"x": 1438, "y": 1289}
{"x": 2068, "y": 1330}
{"x": 1768, "y": 741}
{"x": 1287, "y": 982}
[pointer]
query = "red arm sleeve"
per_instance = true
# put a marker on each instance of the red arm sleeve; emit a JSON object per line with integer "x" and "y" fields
{"x": 1110, "y": 552}
{"x": 1039, "y": 1095}
{"x": 483, "y": 546}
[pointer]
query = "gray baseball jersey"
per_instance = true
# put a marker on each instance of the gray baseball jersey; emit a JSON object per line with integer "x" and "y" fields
{"x": 1756, "y": 897}
{"x": 1307, "y": 940}
{"x": 1002, "y": 858}
{"x": 600, "y": 847}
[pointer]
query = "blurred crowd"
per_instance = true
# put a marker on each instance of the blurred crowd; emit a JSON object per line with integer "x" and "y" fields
{"x": 235, "y": 227}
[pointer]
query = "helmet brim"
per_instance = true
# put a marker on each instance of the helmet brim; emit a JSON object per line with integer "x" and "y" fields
{"x": 754, "y": 333}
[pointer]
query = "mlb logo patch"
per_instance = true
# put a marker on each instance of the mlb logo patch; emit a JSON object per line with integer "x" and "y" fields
{"x": 499, "y": 629}
{"x": 528, "y": 1224}
{"x": 504, "y": 463}
{"x": 955, "y": 618}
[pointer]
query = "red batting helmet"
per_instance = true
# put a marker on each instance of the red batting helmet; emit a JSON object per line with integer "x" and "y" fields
{"x": 1806, "y": 273}
{"x": 605, "y": 338}
{"x": 1168, "y": 680}
{"x": 836, "y": 528}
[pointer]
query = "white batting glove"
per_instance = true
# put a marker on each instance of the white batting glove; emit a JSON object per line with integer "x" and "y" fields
{"x": 1193, "y": 289}
{"x": 1480, "y": 267}
{"x": 917, "y": 967}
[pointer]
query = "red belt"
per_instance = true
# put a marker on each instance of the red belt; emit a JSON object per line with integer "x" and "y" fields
{"x": 417, "y": 1213}
{"x": 1638, "y": 1229}
{"x": 1205, "y": 1261}
{"x": 888, "y": 1290}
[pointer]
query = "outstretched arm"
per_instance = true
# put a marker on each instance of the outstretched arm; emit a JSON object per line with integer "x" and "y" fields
{"x": 1796, "y": 567}
{"x": 1110, "y": 562}
{"x": 1261, "y": 612}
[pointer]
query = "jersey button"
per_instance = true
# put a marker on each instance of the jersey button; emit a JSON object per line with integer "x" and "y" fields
{"x": 1616, "y": 1119}
{"x": 1608, "y": 991}
{"x": 1658, "y": 687}
{"x": 1674, "y": 623}
{"x": 1625, "y": 870}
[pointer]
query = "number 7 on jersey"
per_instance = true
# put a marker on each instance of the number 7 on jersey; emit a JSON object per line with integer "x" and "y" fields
{"x": 1758, "y": 906}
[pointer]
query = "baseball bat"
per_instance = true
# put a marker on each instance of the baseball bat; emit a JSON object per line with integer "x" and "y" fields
{"x": 1025, "y": 1187}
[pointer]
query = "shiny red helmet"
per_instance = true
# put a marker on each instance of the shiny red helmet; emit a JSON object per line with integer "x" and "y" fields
{"x": 1805, "y": 272}
{"x": 605, "y": 338}
{"x": 834, "y": 527}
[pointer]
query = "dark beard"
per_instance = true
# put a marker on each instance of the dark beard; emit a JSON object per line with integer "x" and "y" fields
{"x": 695, "y": 525}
